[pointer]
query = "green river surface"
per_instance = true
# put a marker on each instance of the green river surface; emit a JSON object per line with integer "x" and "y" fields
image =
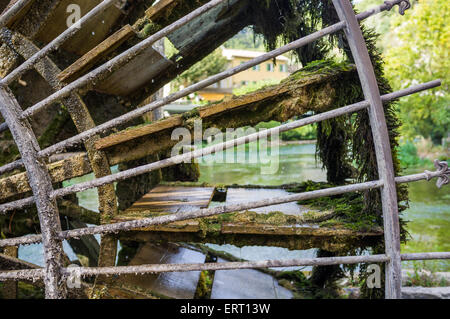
{"x": 428, "y": 214}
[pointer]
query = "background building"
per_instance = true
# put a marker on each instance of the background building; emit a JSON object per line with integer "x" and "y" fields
{"x": 266, "y": 71}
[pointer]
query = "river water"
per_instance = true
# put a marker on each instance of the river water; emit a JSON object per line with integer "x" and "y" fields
{"x": 429, "y": 212}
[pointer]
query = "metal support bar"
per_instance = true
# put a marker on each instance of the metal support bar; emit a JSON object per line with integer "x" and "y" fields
{"x": 382, "y": 146}
{"x": 104, "y": 69}
{"x": 222, "y": 146}
{"x": 41, "y": 186}
{"x": 163, "y": 268}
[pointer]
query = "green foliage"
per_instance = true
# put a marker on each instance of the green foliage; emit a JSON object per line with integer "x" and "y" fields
{"x": 407, "y": 154}
{"x": 418, "y": 51}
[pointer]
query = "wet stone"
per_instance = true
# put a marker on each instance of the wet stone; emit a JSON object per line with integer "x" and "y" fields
{"x": 247, "y": 284}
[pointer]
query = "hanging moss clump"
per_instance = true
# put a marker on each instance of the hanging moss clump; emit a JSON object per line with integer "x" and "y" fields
{"x": 345, "y": 144}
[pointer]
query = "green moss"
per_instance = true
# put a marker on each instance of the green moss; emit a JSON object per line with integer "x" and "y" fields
{"x": 28, "y": 291}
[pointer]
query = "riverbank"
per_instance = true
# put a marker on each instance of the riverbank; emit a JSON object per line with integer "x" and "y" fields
{"x": 428, "y": 213}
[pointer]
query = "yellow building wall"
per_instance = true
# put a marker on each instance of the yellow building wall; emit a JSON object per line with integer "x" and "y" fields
{"x": 212, "y": 96}
{"x": 261, "y": 75}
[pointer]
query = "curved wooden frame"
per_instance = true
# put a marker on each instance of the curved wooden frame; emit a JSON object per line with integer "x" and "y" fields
{"x": 44, "y": 196}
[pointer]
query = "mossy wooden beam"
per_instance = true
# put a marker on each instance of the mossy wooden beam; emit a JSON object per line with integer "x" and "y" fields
{"x": 34, "y": 17}
{"x": 300, "y": 93}
{"x": 159, "y": 9}
{"x": 251, "y": 228}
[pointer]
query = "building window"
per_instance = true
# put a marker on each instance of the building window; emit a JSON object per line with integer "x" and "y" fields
{"x": 270, "y": 67}
{"x": 256, "y": 68}
{"x": 283, "y": 68}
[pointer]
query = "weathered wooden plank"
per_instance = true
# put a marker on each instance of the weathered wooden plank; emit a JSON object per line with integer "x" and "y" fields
{"x": 295, "y": 96}
{"x": 293, "y": 230}
{"x": 9, "y": 289}
{"x": 238, "y": 223}
{"x": 20, "y": 14}
{"x": 133, "y": 133}
{"x": 41, "y": 185}
{"x": 174, "y": 199}
{"x": 82, "y": 65}
{"x": 91, "y": 34}
{"x": 309, "y": 92}
{"x": 159, "y": 9}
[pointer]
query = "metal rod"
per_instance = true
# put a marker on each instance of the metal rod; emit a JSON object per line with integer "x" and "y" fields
{"x": 187, "y": 157}
{"x": 41, "y": 185}
{"x": 382, "y": 146}
{"x": 193, "y": 88}
{"x": 135, "y": 224}
{"x": 302, "y": 122}
{"x": 54, "y": 45}
{"x": 120, "y": 60}
{"x": 11, "y": 166}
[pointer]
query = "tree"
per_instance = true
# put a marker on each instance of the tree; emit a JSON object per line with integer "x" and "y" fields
{"x": 210, "y": 65}
{"x": 418, "y": 51}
